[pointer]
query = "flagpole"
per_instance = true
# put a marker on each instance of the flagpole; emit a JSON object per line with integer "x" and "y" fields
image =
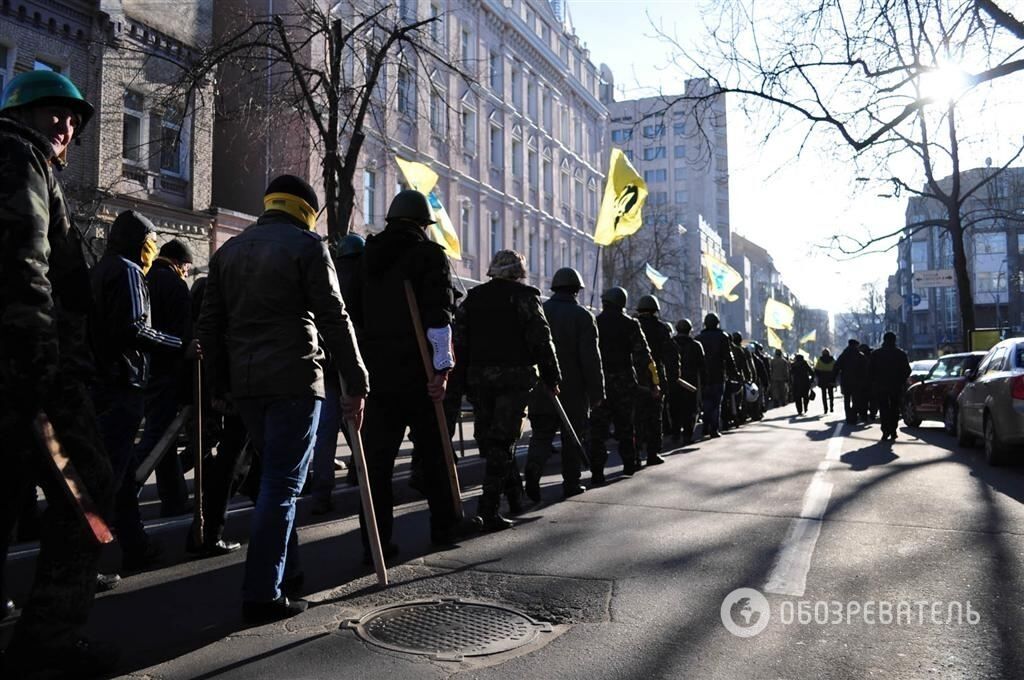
{"x": 593, "y": 286}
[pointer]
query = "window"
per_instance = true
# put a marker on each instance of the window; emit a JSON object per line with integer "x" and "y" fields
{"x": 466, "y": 223}
{"x": 40, "y": 65}
{"x": 678, "y": 129}
{"x": 517, "y": 237}
{"x": 517, "y": 88}
{"x": 653, "y": 153}
{"x": 680, "y": 172}
{"x": 469, "y": 131}
{"x": 990, "y": 244}
{"x": 406, "y": 91}
{"x": 173, "y": 152}
{"x": 564, "y": 127}
{"x": 651, "y": 176}
{"x": 654, "y": 131}
{"x": 941, "y": 369}
{"x": 549, "y": 180}
{"x": 565, "y": 187}
{"x": 563, "y": 254}
{"x": 532, "y": 251}
{"x": 407, "y": 10}
{"x": 132, "y": 131}
{"x": 579, "y": 194}
{"x": 545, "y": 98}
{"x": 531, "y": 168}
{"x": 592, "y": 199}
{"x": 437, "y": 113}
{"x": 623, "y": 135}
{"x": 679, "y": 152}
{"x": 467, "y": 48}
{"x": 659, "y": 197}
{"x": 494, "y": 62}
{"x": 578, "y": 135}
{"x": 682, "y": 197}
{"x": 369, "y": 196}
{"x": 531, "y": 99}
{"x": 517, "y": 158}
{"x": 497, "y": 237}
{"x": 437, "y": 25}
{"x": 497, "y": 144}
{"x": 5, "y": 71}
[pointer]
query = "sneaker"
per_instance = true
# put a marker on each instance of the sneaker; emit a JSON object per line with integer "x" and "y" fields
{"x": 275, "y": 610}
{"x": 107, "y": 582}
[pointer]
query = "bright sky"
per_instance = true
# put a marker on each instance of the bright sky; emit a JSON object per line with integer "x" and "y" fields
{"x": 790, "y": 206}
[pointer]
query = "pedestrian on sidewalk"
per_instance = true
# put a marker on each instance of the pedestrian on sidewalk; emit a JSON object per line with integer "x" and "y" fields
{"x": 272, "y": 291}
{"x": 685, "y": 404}
{"x": 825, "y": 373}
{"x": 780, "y": 379}
{"x": 803, "y": 378}
{"x": 651, "y": 403}
{"x": 853, "y": 374}
{"x": 718, "y": 353}
{"x": 45, "y": 364}
{"x": 622, "y": 348}
{"x": 574, "y": 334}
{"x": 889, "y": 371}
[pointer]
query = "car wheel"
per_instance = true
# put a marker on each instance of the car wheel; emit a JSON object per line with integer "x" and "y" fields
{"x": 909, "y": 417}
{"x": 949, "y": 418}
{"x": 963, "y": 437}
{"x": 993, "y": 447}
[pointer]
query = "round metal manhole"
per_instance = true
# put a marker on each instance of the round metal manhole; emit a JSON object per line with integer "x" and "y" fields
{"x": 447, "y": 629}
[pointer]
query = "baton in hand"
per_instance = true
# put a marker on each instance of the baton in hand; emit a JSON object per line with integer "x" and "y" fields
{"x": 568, "y": 428}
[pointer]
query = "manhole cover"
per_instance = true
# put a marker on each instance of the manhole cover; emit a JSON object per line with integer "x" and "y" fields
{"x": 447, "y": 629}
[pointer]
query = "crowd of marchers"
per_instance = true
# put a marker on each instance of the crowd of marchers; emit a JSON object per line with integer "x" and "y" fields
{"x": 298, "y": 337}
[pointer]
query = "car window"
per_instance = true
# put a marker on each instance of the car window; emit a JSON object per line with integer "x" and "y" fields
{"x": 970, "y": 362}
{"x": 939, "y": 370}
{"x": 1018, "y": 359}
{"x": 986, "y": 361}
{"x": 956, "y": 367}
{"x": 996, "y": 361}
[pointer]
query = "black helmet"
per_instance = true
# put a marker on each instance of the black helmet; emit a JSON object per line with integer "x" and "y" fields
{"x": 615, "y": 297}
{"x": 567, "y": 278}
{"x": 684, "y": 326}
{"x": 711, "y": 320}
{"x": 648, "y": 303}
{"x": 351, "y": 245}
{"x": 736, "y": 337}
{"x": 410, "y": 205}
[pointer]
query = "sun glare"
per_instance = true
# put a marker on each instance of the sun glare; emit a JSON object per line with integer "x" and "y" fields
{"x": 944, "y": 84}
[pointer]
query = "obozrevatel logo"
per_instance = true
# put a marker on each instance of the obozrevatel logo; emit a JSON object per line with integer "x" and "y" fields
{"x": 745, "y": 612}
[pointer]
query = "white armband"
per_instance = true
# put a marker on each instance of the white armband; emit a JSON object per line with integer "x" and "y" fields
{"x": 441, "y": 340}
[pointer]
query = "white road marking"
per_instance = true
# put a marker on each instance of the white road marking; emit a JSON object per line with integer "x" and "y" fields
{"x": 789, "y": 575}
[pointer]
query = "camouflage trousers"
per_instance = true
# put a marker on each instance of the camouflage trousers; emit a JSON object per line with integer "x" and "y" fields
{"x": 498, "y": 411}
{"x": 65, "y": 578}
{"x": 617, "y": 409}
{"x": 649, "y": 410}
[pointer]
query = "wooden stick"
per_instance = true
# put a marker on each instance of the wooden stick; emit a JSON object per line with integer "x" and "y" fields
{"x": 72, "y": 482}
{"x": 355, "y": 437}
{"x": 197, "y": 423}
{"x": 164, "y": 445}
{"x": 567, "y": 427}
{"x": 442, "y": 423}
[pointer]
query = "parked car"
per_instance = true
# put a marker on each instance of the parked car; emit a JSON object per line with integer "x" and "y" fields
{"x": 934, "y": 396}
{"x": 919, "y": 369}
{"x": 991, "y": 404}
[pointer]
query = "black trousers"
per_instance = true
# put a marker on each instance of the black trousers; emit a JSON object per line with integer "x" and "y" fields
{"x": 888, "y": 401}
{"x": 385, "y": 420}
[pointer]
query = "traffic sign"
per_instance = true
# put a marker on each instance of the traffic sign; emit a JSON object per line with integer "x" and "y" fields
{"x": 934, "y": 278}
{"x": 915, "y": 299}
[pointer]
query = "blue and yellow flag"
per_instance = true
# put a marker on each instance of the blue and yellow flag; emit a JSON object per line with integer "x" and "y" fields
{"x": 810, "y": 337}
{"x": 777, "y": 314}
{"x": 423, "y": 179}
{"x": 721, "y": 278}
{"x": 774, "y": 341}
{"x": 624, "y": 196}
{"x": 657, "y": 278}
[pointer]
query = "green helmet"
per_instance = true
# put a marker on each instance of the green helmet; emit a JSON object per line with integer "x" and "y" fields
{"x": 568, "y": 278}
{"x": 410, "y": 205}
{"x": 648, "y": 303}
{"x": 46, "y": 87}
{"x": 616, "y": 297}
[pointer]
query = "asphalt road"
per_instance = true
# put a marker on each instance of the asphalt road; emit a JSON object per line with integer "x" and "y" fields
{"x": 834, "y": 529}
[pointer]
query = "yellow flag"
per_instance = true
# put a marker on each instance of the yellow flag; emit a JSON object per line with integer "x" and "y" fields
{"x": 774, "y": 341}
{"x": 624, "y": 196}
{"x": 721, "y": 277}
{"x": 423, "y": 179}
{"x": 810, "y": 337}
{"x": 777, "y": 314}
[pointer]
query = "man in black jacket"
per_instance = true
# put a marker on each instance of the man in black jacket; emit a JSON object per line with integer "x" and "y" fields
{"x": 889, "y": 370}
{"x": 508, "y": 341}
{"x": 574, "y": 333}
{"x": 684, "y": 403}
{"x": 651, "y": 404}
{"x": 271, "y": 294}
{"x": 623, "y": 347}
{"x": 45, "y": 364}
{"x": 171, "y": 307}
{"x": 402, "y": 390}
{"x": 124, "y": 339}
{"x": 851, "y": 367}
{"x": 718, "y": 355}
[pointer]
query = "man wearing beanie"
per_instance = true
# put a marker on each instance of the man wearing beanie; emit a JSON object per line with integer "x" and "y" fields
{"x": 124, "y": 341}
{"x": 271, "y": 294}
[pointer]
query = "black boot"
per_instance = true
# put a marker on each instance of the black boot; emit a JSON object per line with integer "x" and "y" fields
{"x": 533, "y": 484}
{"x": 489, "y": 515}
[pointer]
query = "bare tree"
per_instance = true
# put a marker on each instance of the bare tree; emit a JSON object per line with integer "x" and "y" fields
{"x": 866, "y": 322}
{"x": 330, "y": 64}
{"x": 881, "y": 78}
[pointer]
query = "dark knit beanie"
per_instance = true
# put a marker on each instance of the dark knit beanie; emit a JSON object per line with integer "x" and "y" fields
{"x": 296, "y": 186}
{"x": 176, "y": 250}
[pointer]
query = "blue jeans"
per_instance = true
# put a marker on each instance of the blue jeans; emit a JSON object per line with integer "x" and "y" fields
{"x": 284, "y": 432}
{"x": 326, "y": 441}
{"x": 712, "y": 397}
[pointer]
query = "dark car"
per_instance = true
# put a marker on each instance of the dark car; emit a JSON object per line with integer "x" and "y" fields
{"x": 991, "y": 405}
{"x": 934, "y": 396}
